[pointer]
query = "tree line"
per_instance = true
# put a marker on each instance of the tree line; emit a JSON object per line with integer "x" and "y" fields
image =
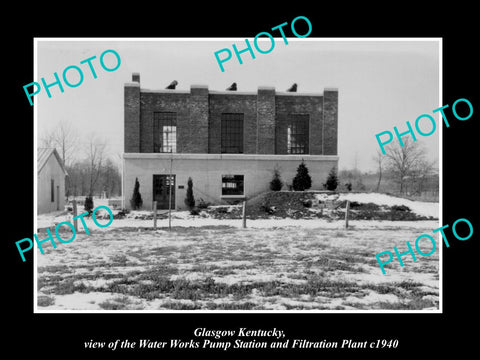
{"x": 91, "y": 171}
{"x": 408, "y": 167}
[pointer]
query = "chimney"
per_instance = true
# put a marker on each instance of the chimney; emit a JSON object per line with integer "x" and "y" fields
{"x": 136, "y": 77}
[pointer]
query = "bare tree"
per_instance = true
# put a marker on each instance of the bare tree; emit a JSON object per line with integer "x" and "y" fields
{"x": 110, "y": 178}
{"x": 379, "y": 158}
{"x": 47, "y": 140}
{"x": 95, "y": 152}
{"x": 421, "y": 175}
{"x": 73, "y": 180}
{"x": 404, "y": 161}
{"x": 64, "y": 138}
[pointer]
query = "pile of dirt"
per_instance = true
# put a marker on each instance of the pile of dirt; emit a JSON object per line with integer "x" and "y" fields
{"x": 305, "y": 205}
{"x": 224, "y": 212}
{"x": 283, "y": 204}
{"x": 296, "y": 205}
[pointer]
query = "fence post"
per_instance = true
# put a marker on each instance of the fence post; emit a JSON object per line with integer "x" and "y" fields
{"x": 75, "y": 221}
{"x": 244, "y": 214}
{"x": 346, "y": 214}
{"x": 154, "y": 215}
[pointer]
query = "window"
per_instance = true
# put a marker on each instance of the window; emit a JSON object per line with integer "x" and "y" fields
{"x": 164, "y": 132}
{"x": 52, "y": 190}
{"x": 232, "y": 185}
{"x": 297, "y": 134}
{"x": 232, "y": 133}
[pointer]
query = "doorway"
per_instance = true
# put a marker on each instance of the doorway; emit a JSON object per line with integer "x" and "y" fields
{"x": 163, "y": 185}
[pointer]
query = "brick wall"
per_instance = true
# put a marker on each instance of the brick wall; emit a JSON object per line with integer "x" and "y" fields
{"x": 167, "y": 101}
{"x": 330, "y": 116}
{"x": 266, "y": 116}
{"x": 232, "y": 103}
{"x": 286, "y": 104}
{"x": 196, "y": 138}
{"x": 266, "y": 121}
{"x": 132, "y": 117}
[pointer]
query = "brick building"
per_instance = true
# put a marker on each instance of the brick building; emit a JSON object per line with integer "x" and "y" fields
{"x": 228, "y": 142}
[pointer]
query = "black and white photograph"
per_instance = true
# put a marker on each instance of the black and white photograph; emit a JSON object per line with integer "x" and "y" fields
{"x": 261, "y": 187}
{"x": 203, "y": 180}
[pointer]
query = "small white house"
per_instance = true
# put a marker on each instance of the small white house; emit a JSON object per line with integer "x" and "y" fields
{"x": 50, "y": 181}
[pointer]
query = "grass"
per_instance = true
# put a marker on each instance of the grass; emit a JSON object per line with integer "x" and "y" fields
{"x": 117, "y": 303}
{"x": 68, "y": 286}
{"x": 226, "y": 269}
{"x": 411, "y": 304}
{"x": 45, "y": 300}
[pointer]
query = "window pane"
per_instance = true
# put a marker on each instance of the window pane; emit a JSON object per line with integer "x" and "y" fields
{"x": 232, "y": 185}
{"x": 231, "y": 133}
{"x": 297, "y": 134}
{"x": 165, "y": 132}
{"x": 169, "y": 139}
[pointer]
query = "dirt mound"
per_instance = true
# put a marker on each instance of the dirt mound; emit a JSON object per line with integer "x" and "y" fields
{"x": 308, "y": 205}
{"x": 283, "y": 204}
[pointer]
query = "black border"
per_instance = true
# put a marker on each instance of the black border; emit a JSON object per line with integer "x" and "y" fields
{"x": 56, "y": 335}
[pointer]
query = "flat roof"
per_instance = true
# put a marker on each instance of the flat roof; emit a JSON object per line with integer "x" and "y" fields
{"x": 227, "y": 92}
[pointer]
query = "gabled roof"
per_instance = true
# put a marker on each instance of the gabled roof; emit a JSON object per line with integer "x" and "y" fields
{"x": 43, "y": 154}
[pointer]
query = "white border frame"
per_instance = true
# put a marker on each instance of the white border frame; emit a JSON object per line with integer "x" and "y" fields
{"x": 440, "y": 103}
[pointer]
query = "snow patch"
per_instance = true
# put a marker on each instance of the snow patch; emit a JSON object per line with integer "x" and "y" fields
{"x": 418, "y": 207}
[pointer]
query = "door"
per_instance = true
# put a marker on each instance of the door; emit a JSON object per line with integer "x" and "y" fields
{"x": 163, "y": 188}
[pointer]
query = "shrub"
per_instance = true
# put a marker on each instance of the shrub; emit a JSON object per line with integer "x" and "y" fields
{"x": 276, "y": 183}
{"x": 136, "y": 201}
{"x": 302, "y": 179}
{"x": 332, "y": 180}
{"x": 88, "y": 204}
{"x": 348, "y": 186}
{"x": 189, "y": 199}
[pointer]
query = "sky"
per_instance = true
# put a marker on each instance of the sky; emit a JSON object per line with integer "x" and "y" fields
{"x": 381, "y": 83}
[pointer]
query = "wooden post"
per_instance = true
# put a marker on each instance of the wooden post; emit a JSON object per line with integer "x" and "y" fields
{"x": 75, "y": 221}
{"x": 346, "y": 214}
{"x": 244, "y": 214}
{"x": 154, "y": 215}
{"x": 170, "y": 194}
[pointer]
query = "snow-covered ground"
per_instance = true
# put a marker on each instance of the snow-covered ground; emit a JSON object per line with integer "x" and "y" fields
{"x": 212, "y": 264}
{"x": 215, "y": 268}
{"x": 184, "y": 219}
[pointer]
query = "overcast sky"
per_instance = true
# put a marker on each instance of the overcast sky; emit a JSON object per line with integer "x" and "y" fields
{"x": 381, "y": 84}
